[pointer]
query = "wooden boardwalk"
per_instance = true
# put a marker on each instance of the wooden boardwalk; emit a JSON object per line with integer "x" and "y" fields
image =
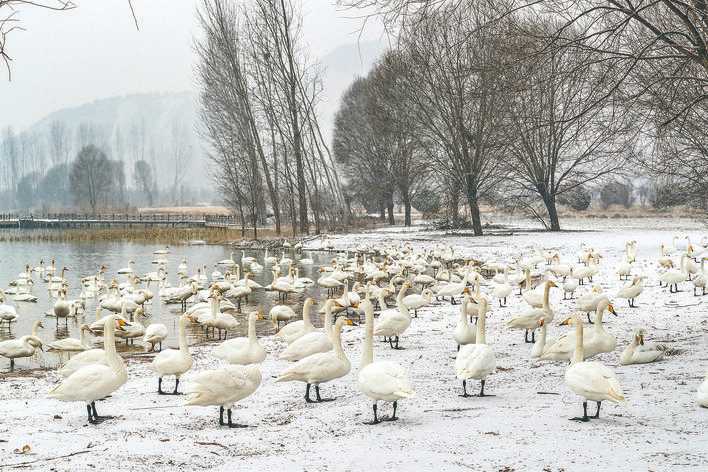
{"x": 115, "y": 220}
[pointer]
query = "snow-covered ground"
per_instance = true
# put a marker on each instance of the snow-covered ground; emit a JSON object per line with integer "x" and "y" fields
{"x": 660, "y": 427}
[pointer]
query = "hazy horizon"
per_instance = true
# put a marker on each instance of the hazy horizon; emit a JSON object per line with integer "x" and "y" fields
{"x": 95, "y": 52}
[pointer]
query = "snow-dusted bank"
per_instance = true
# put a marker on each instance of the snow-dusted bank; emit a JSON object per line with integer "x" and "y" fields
{"x": 525, "y": 426}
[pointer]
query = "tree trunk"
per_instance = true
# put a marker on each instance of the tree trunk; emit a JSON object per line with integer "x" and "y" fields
{"x": 474, "y": 209}
{"x": 391, "y": 218}
{"x": 407, "y": 206}
{"x": 550, "y": 202}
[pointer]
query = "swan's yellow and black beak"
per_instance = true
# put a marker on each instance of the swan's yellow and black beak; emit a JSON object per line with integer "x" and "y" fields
{"x": 611, "y": 309}
{"x": 641, "y": 339}
{"x": 566, "y": 322}
{"x": 349, "y": 322}
{"x": 120, "y": 324}
{"x": 552, "y": 283}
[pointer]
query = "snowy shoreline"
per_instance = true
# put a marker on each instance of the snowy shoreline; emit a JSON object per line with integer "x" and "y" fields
{"x": 660, "y": 428}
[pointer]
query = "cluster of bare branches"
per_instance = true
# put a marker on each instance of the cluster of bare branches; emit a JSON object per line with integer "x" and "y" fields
{"x": 259, "y": 96}
{"x": 11, "y": 22}
{"x": 528, "y": 102}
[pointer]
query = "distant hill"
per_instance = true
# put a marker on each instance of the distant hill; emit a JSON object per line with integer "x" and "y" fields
{"x": 117, "y": 122}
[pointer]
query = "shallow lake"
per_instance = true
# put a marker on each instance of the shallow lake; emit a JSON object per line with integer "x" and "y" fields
{"x": 84, "y": 259}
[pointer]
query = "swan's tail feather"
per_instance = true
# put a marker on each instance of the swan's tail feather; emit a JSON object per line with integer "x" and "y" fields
{"x": 615, "y": 396}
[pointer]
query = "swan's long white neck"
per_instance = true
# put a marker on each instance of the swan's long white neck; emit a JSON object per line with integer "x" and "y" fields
{"x": 306, "y": 313}
{"x": 367, "y": 355}
{"x": 252, "y": 329}
{"x": 579, "y": 355}
{"x": 337, "y": 341}
{"x": 481, "y": 322}
{"x": 109, "y": 344}
{"x": 328, "y": 320}
{"x": 35, "y": 326}
{"x": 546, "y": 293}
{"x": 599, "y": 314}
{"x": 183, "y": 346}
{"x": 214, "y": 307}
{"x": 463, "y": 311}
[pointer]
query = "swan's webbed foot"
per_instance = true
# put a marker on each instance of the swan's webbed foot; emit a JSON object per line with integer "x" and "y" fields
{"x": 585, "y": 418}
{"x": 397, "y": 346}
{"x": 589, "y": 320}
{"x": 464, "y": 390}
{"x": 320, "y": 399}
{"x": 231, "y": 424}
{"x": 93, "y": 416}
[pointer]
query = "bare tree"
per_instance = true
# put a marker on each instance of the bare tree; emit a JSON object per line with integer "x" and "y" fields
{"x": 562, "y": 135}
{"x": 459, "y": 93}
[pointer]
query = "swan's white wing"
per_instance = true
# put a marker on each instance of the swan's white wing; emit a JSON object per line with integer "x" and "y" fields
{"x": 384, "y": 378}
{"x": 90, "y": 382}
{"x": 594, "y": 381}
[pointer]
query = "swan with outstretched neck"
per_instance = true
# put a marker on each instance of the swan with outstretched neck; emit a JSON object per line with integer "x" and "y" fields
{"x": 381, "y": 380}
{"x": 96, "y": 381}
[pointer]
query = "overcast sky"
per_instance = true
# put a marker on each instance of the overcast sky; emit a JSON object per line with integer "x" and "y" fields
{"x": 70, "y": 58}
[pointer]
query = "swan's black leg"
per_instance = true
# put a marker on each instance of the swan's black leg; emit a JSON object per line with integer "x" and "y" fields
{"x": 589, "y": 320}
{"x": 12, "y": 364}
{"x": 175, "y": 391}
{"x": 533, "y": 336}
{"x": 390, "y": 341}
{"x": 526, "y": 336}
{"x": 464, "y": 389}
{"x": 585, "y": 417}
{"x": 481, "y": 392}
{"x": 376, "y": 418}
{"x": 231, "y": 424}
{"x": 307, "y": 394}
{"x": 159, "y": 386}
{"x": 452, "y": 301}
{"x": 397, "y": 346}
{"x": 221, "y": 416}
{"x": 90, "y": 414}
{"x": 317, "y": 395}
{"x": 393, "y": 417}
{"x": 597, "y": 413}
{"x": 96, "y": 418}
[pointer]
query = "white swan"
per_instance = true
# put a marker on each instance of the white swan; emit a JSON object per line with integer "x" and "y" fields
{"x": 416, "y": 301}
{"x": 313, "y": 342}
{"x": 464, "y": 332}
{"x": 590, "y": 380}
{"x": 8, "y": 313}
{"x": 96, "y": 381}
{"x": 453, "y": 289}
{"x": 529, "y": 320}
{"x": 243, "y": 350}
{"x": 393, "y": 323}
{"x": 476, "y": 361}
{"x": 25, "y": 346}
{"x": 321, "y": 367}
{"x": 171, "y": 361}
{"x": 639, "y": 352}
{"x": 223, "y": 387}
{"x": 219, "y": 321}
{"x": 155, "y": 333}
{"x": 291, "y": 331}
{"x": 72, "y": 344}
{"x": 381, "y": 380}
{"x": 632, "y": 291}
{"x": 596, "y": 341}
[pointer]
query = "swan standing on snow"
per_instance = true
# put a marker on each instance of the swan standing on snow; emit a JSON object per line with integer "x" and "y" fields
{"x": 171, "y": 361}
{"x": 464, "y": 332}
{"x": 529, "y": 320}
{"x": 639, "y": 352}
{"x": 320, "y": 368}
{"x": 632, "y": 291}
{"x": 381, "y": 380}
{"x": 314, "y": 342}
{"x": 224, "y": 387}
{"x": 25, "y": 346}
{"x": 155, "y": 333}
{"x": 415, "y": 301}
{"x": 243, "y": 350}
{"x": 591, "y": 380}
{"x": 476, "y": 361}
{"x": 96, "y": 381}
{"x": 393, "y": 323}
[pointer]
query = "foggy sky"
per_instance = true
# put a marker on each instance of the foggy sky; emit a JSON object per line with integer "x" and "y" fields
{"x": 70, "y": 58}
